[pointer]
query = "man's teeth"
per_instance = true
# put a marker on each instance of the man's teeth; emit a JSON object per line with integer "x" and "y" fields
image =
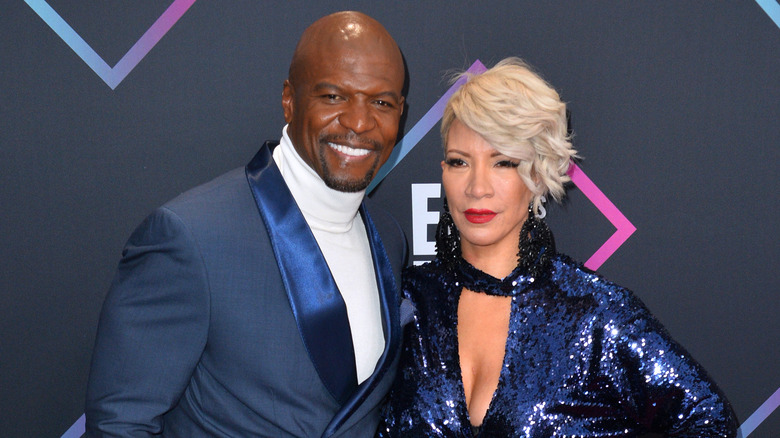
{"x": 349, "y": 151}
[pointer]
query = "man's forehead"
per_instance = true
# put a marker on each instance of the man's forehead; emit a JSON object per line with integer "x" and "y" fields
{"x": 358, "y": 64}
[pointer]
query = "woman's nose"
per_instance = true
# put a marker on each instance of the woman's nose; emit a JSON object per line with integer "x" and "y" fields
{"x": 479, "y": 183}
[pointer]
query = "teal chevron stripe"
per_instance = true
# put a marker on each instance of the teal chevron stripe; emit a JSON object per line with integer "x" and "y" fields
{"x": 772, "y": 8}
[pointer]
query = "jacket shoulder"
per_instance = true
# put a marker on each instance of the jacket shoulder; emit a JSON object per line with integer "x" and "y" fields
{"x": 224, "y": 188}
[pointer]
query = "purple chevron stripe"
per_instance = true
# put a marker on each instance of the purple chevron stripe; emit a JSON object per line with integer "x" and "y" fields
{"x": 111, "y": 76}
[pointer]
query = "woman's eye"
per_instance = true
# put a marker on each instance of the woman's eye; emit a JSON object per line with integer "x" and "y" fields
{"x": 508, "y": 163}
{"x": 455, "y": 162}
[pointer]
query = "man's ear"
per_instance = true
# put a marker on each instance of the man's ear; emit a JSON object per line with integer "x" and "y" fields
{"x": 288, "y": 95}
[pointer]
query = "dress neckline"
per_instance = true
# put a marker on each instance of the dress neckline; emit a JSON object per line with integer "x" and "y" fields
{"x": 537, "y": 248}
{"x": 476, "y": 280}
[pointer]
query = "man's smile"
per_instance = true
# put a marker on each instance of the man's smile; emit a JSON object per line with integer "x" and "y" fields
{"x": 350, "y": 151}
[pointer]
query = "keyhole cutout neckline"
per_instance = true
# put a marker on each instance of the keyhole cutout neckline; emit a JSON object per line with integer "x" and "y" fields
{"x": 482, "y": 332}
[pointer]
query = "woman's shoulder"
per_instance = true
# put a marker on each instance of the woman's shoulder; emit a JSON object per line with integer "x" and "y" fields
{"x": 427, "y": 270}
{"x": 612, "y": 304}
{"x": 428, "y": 278}
{"x": 576, "y": 280}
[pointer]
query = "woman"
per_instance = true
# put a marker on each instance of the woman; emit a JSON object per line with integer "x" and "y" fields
{"x": 509, "y": 343}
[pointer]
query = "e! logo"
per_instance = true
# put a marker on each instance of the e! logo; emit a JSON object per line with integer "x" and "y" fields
{"x": 422, "y": 218}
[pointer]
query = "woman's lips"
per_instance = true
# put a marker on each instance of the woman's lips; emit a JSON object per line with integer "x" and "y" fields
{"x": 479, "y": 216}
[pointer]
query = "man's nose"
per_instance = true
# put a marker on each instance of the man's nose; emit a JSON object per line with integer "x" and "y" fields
{"x": 357, "y": 116}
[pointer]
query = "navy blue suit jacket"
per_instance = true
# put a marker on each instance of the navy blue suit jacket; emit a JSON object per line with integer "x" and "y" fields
{"x": 197, "y": 336}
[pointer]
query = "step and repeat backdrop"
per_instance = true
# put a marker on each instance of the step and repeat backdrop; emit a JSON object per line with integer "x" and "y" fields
{"x": 109, "y": 108}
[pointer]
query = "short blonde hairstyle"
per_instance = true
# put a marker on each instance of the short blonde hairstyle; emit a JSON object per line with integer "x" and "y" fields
{"x": 522, "y": 117}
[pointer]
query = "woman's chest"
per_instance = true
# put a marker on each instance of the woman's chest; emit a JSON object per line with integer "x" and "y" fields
{"x": 546, "y": 376}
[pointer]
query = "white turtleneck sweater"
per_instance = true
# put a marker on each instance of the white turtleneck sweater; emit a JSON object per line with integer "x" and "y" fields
{"x": 338, "y": 228}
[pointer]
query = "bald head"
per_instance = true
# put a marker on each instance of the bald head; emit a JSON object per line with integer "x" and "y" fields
{"x": 347, "y": 30}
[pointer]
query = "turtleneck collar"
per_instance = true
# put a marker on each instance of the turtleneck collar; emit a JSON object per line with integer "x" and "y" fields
{"x": 322, "y": 207}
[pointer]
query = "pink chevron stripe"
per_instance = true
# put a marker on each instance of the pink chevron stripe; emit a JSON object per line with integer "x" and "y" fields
{"x": 624, "y": 227}
{"x": 149, "y": 39}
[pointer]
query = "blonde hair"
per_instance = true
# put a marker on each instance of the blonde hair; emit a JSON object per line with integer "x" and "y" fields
{"x": 522, "y": 117}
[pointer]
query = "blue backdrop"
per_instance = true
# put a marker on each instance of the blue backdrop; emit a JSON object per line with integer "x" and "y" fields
{"x": 109, "y": 108}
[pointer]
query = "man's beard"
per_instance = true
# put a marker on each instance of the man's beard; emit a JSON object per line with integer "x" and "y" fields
{"x": 345, "y": 184}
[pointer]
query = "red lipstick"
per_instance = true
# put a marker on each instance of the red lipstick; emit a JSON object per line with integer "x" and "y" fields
{"x": 479, "y": 216}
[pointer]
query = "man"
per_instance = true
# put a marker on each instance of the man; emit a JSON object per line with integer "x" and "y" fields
{"x": 264, "y": 303}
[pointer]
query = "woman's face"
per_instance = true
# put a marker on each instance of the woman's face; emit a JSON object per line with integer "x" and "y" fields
{"x": 487, "y": 198}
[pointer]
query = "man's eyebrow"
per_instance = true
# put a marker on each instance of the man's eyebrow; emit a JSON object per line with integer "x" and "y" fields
{"x": 326, "y": 86}
{"x": 390, "y": 94}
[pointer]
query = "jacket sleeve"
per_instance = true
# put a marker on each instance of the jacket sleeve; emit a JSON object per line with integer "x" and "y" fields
{"x": 666, "y": 391}
{"x": 152, "y": 330}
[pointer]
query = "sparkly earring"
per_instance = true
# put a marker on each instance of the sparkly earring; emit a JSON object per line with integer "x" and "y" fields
{"x": 537, "y": 245}
{"x": 447, "y": 238}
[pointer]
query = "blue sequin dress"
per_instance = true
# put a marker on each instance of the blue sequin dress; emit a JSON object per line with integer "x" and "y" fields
{"x": 584, "y": 358}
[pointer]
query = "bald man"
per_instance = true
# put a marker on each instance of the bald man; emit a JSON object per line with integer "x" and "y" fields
{"x": 264, "y": 303}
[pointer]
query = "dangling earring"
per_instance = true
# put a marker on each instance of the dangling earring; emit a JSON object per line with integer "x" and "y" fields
{"x": 537, "y": 245}
{"x": 542, "y": 211}
{"x": 447, "y": 238}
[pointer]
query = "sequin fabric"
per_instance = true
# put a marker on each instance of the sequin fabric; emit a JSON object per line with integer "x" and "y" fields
{"x": 584, "y": 358}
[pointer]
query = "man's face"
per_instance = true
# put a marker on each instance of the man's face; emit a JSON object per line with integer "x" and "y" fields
{"x": 343, "y": 112}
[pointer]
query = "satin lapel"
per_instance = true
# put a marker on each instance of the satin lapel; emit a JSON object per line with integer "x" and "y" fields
{"x": 388, "y": 295}
{"x": 317, "y": 305}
